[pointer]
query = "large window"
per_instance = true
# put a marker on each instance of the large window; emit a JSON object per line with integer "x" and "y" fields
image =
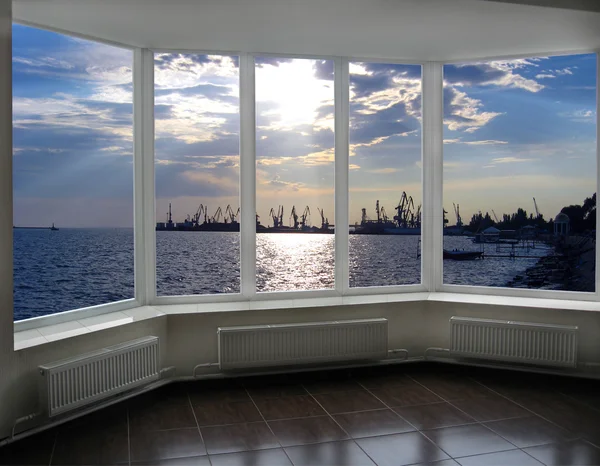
{"x": 197, "y": 174}
{"x": 295, "y": 169}
{"x": 73, "y": 173}
{"x": 385, "y": 174}
{"x": 520, "y": 173}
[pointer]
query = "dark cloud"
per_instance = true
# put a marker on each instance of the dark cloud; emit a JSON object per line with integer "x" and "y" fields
{"x": 472, "y": 75}
{"x": 392, "y": 121}
{"x": 172, "y": 182}
{"x": 325, "y": 111}
{"x": 210, "y": 91}
{"x": 172, "y": 60}
{"x": 324, "y": 69}
{"x": 380, "y": 77}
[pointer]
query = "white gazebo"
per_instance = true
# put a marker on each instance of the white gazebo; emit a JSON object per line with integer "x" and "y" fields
{"x": 561, "y": 225}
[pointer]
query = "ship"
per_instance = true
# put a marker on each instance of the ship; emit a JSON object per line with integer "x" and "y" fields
{"x": 53, "y": 228}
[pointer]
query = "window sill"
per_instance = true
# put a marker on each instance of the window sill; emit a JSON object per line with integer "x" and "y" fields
{"x": 32, "y": 337}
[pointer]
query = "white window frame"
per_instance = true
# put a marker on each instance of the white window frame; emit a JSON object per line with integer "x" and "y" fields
{"x": 432, "y": 190}
{"x": 521, "y": 292}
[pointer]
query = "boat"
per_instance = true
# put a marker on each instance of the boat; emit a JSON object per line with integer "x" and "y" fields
{"x": 53, "y": 228}
{"x": 462, "y": 255}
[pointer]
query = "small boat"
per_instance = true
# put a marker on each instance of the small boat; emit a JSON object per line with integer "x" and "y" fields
{"x": 462, "y": 255}
{"x": 53, "y": 228}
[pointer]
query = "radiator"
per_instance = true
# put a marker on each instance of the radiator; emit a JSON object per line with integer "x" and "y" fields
{"x": 522, "y": 342}
{"x": 306, "y": 343}
{"x": 80, "y": 380}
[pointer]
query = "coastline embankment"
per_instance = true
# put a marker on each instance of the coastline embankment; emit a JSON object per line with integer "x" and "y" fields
{"x": 571, "y": 268}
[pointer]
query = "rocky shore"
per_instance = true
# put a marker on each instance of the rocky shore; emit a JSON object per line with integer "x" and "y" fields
{"x": 571, "y": 268}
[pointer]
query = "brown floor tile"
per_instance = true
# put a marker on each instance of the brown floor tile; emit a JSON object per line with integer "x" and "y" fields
{"x": 192, "y": 461}
{"x": 491, "y": 409}
{"x": 252, "y": 458}
{"x": 401, "y": 449}
{"x": 31, "y": 450}
{"x": 202, "y": 395}
{"x": 468, "y": 440}
{"x": 434, "y": 415}
{"x": 214, "y": 414}
{"x": 307, "y": 430}
{"x": 113, "y": 418}
{"x": 504, "y": 458}
{"x": 451, "y": 387}
{"x": 349, "y": 401}
{"x": 171, "y": 394}
{"x": 330, "y": 386}
{"x": 161, "y": 417}
{"x": 91, "y": 447}
{"x": 529, "y": 431}
{"x": 238, "y": 437}
{"x": 345, "y": 453}
{"x": 406, "y": 395}
{"x": 574, "y": 452}
{"x": 166, "y": 444}
{"x": 289, "y": 407}
{"x": 384, "y": 381}
{"x": 275, "y": 391}
{"x": 373, "y": 423}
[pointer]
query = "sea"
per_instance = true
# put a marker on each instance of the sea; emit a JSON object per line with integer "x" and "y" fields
{"x": 56, "y": 271}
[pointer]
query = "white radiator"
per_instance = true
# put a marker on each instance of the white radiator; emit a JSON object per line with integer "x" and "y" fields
{"x": 523, "y": 342}
{"x": 78, "y": 381}
{"x": 306, "y": 343}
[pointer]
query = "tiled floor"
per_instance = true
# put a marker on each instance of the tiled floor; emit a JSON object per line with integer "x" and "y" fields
{"x": 397, "y": 415}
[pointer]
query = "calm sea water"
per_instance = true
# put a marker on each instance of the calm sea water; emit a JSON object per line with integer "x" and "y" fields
{"x": 56, "y": 271}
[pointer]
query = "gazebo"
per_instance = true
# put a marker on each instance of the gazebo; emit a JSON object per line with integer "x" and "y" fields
{"x": 561, "y": 225}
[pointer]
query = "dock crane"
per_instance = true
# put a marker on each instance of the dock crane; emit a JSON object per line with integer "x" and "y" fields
{"x": 495, "y": 216}
{"x": 229, "y": 212}
{"x": 384, "y": 215}
{"x": 202, "y": 211}
{"x": 459, "y": 222}
{"x": 305, "y": 218}
{"x": 324, "y": 221}
{"x": 378, "y": 211}
{"x": 217, "y": 217}
{"x": 274, "y": 217}
{"x": 537, "y": 212}
{"x": 294, "y": 217}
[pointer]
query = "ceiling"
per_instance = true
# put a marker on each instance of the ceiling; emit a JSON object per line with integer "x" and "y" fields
{"x": 585, "y": 5}
{"x": 421, "y": 30}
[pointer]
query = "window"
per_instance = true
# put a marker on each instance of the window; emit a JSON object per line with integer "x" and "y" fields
{"x": 73, "y": 173}
{"x": 295, "y": 174}
{"x": 520, "y": 173}
{"x": 385, "y": 174}
{"x": 197, "y": 174}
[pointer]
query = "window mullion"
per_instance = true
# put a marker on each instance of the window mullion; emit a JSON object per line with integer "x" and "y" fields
{"x": 342, "y": 121}
{"x": 432, "y": 147}
{"x": 144, "y": 206}
{"x": 248, "y": 176}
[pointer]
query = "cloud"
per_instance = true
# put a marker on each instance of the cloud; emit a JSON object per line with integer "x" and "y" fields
{"x": 494, "y": 73}
{"x": 280, "y": 185}
{"x": 462, "y": 112}
{"x": 501, "y": 160}
{"x": 581, "y": 116}
{"x": 544, "y": 76}
{"x": 384, "y": 171}
{"x": 487, "y": 142}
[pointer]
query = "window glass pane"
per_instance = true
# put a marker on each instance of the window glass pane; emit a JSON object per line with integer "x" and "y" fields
{"x": 197, "y": 174}
{"x": 385, "y": 174}
{"x": 520, "y": 173}
{"x": 295, "y": 170}
{"x": 73, "y": 169}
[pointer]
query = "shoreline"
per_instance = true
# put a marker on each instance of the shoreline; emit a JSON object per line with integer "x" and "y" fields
{"x": 571, "y": 268}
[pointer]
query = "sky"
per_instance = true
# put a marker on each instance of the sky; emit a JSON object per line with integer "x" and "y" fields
{"x": 513, "y": 130}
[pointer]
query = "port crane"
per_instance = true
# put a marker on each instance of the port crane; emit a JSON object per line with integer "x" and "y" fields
{"x": 459, "y": 222}
{"x": 305, "y": 218}
{"x": 378, "y": 211}
{"x": 217, "y": 217}
{"x": 404, "y": 209}
{"x": 384, "y": 215}
{"x": 202, "y": 211}
{"x": 294, "y": 217}
{"x": 229, "y": 212}
{"x": 495, "y": 216}
{"x": 364, "y": 218}
{"x": 537, "y": 212}
{"x": 324, "y": 221}
{"x": 277, "y": 217}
